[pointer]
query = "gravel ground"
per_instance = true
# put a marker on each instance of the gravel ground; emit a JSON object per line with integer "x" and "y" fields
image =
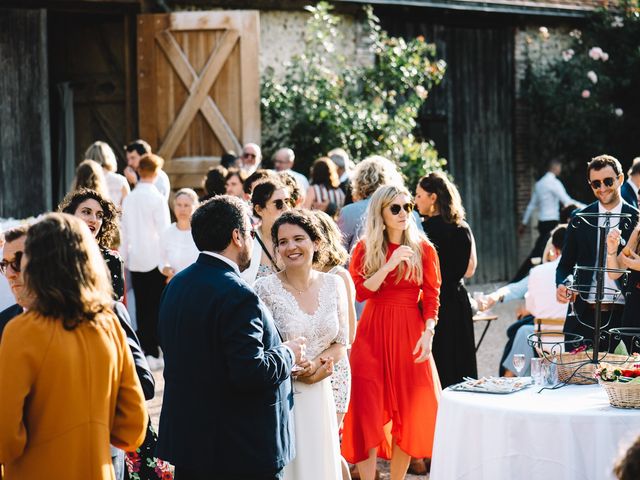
{"x": 488, "y": 357}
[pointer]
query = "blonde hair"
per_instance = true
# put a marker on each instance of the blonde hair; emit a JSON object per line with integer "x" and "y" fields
{"x": 373, "y": 172}
{"x": 102, "y": 153}
{"x": 378, "y": 242}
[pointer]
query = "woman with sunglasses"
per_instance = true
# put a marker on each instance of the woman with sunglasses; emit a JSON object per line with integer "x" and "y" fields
{"x": 395, "y": 387}
{"x": 67, "y": 377}
{"x": 101, "y": 216}
{"x": 270, "y": 199}
{"x": 454, "y": 349}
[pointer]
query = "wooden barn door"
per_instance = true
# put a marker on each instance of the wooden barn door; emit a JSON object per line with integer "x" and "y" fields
{"x": 198, "y": 88}
{"x": 25, "y": 150}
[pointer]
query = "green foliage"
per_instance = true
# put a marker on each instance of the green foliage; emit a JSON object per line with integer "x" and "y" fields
{"x": 586, "y": 101}
{"x": 324, "y": 102}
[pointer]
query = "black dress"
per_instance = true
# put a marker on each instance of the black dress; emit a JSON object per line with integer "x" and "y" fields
{"x": 631, "y": 315}
{"x": 454, "y": 348}
{"x": 116, "y": 271}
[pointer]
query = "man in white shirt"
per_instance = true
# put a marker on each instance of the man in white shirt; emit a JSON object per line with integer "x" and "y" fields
{"x": 540, "y": 302}
{"x": 581, "y": 249}
{"x": 283, "y": 161}
{"x": 548, "y": 194}
{"x": 145, "y": 215}
{"x": 135, "y": 150}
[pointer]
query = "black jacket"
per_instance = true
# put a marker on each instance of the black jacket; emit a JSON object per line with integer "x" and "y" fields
{"x": 227, "y": 394}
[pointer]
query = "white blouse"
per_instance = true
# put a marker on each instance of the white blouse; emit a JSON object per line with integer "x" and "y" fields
{"x": 177, "y": 248}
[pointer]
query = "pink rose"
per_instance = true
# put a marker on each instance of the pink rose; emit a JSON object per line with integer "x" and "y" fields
{"x": 586, "y": 93}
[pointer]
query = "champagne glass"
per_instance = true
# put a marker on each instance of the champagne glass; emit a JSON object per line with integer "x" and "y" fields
{"x": 518, "y": 362}
{"x": 296, "y": 368}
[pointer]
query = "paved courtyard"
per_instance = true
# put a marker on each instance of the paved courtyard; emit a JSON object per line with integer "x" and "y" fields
{"x": 488, "y": 357}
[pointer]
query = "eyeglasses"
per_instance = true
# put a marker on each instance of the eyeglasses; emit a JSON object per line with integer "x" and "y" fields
{"x": 395, "y": 208}
{"x": 281, "y": 203}
{"x": 14, "y": 264}
{"x": 608, "y": 182}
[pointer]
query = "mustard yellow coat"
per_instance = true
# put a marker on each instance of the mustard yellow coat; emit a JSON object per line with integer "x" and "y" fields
{"x": 64, "y": 397}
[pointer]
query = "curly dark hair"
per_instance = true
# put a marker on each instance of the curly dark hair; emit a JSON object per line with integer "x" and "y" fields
{"x": 306, "y": 220}
{"x": 66, "y": 274}
{"x": 109, "y": 231}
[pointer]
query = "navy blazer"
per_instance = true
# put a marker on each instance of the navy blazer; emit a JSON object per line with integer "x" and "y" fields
{"x": 8, "y": 314}
{"x": 581, "y": 242}
{"x": 227, "y": 395}
{"x": 628, "y": 195}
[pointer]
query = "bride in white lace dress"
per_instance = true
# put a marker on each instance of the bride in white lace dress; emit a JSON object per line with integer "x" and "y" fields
{"x": 312, "y": 304}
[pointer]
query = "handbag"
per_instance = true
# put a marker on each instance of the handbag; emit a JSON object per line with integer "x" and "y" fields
{"x": 143, "y": 464}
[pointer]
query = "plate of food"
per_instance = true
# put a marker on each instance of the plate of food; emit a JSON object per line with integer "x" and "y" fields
{"x": 495, "y": 385}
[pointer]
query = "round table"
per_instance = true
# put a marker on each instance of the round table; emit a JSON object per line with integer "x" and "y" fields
{"x": 568, "y": 433}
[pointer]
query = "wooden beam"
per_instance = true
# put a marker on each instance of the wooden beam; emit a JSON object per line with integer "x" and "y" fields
{"x": 250, "y": 78}
{"x": 188, "y": 76}
{"x": 198, "y": 93}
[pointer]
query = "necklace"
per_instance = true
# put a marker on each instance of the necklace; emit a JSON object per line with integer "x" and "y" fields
{"x": 297, "y": 290}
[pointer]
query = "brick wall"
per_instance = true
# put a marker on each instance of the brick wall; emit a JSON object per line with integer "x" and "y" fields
{"x": 541, "y": 48}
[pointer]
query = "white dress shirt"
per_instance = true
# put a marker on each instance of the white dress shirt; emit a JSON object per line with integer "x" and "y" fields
{"x": 145, "y": 216}
{"x": 226, "y": 260}
{"x": 163, "y": 185}
{"x": 548, "y": 192}
{"x": 540, "y": 298}
{"x": 178, "y": 249}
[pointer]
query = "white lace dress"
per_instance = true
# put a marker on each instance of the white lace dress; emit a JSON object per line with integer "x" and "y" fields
{"x": 314, "y": 412}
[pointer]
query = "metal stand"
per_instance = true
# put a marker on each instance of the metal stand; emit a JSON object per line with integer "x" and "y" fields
{"x": 584, "y": 291}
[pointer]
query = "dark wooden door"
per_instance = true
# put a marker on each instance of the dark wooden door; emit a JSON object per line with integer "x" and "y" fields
{"x": 481, "y": 153}
{"x": 25, "y": 156}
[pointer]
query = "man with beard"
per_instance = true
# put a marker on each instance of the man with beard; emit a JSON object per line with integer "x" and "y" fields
{"x": 227, "y": 397}
{"x": 605, "y": 177}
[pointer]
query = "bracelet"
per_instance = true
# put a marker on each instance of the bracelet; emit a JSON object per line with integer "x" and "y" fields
{"x": 611, "y": 254}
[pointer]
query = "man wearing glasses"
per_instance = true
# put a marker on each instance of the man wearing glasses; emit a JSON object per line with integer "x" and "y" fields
{"x": 581, "y": 247}
{"x": 251, "y": 158}
{"x": 10, "y": 268}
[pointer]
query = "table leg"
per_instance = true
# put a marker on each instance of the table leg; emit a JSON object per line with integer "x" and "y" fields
{"x": 484, "y": 332}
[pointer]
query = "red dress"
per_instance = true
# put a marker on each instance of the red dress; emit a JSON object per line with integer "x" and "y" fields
{"x": 390, "y": 394}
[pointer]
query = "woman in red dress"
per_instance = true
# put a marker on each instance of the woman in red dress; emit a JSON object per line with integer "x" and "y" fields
{"x": 395, "y": 385}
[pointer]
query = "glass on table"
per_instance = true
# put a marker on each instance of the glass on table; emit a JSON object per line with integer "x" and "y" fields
{"x": 518, "y": 362}
{"x": 538, "y": 371}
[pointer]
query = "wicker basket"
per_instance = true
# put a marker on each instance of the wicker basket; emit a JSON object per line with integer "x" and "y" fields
{"x": 568, "y": 363}
{"x": 622, "y": 395}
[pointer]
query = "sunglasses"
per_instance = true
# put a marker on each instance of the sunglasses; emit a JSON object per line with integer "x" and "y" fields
{"x": 247, "y": 155}
{"x": 608, "y": 182}
{"x": 281, "y": 203}
{"x": 396, "y": 208}
{"x": 14, "y": 264}
{"x": 253, "y": 234}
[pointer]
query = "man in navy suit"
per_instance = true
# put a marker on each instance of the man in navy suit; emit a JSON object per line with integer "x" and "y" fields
{"x": 581, "y": 246}
{"x": 227, "y": 398}
{"x": 629, "y": 189}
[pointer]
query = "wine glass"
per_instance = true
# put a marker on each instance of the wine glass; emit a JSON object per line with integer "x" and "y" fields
{"x": 479, "y": 298}
{"x": 518, "y": 362}
{"x": 296, "y": 368}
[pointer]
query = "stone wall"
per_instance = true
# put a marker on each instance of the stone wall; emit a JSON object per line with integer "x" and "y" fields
{"x": 282, "y": 37}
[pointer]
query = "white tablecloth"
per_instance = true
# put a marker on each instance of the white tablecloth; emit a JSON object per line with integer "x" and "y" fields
{"x": 569, "y": 433}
